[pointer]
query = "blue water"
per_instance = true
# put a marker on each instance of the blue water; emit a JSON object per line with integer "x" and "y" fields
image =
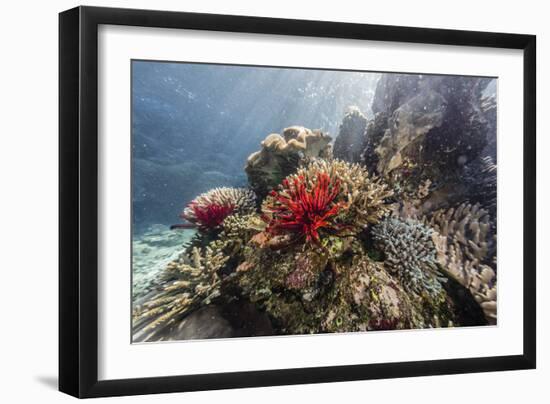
{"x": 194, "y": 125}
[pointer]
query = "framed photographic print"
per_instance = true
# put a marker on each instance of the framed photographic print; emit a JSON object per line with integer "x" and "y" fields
{"x": 251, "y": 201}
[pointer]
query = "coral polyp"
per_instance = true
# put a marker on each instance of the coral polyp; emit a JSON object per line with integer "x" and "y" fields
{"x": 303, "y": 209}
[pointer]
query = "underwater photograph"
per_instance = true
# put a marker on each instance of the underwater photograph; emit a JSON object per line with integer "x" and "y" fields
{"x": 272, "y": 201}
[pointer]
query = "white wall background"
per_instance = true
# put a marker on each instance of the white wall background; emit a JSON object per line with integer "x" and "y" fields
{"x": 28, "y": 200}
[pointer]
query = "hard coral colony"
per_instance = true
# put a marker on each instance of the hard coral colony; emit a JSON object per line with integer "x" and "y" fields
{"x": 208, "y": 210}
{"x": 209, "y": 216}
{"x": 336, "y": 248}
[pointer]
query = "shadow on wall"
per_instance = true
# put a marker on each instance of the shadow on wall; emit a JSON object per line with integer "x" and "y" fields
{"x": 48, "y": 381}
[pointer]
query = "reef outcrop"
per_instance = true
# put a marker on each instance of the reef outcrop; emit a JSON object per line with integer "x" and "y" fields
{"x": 280, "y": 155}
{"x": 351, "y": 137}
{"x": 429, "y": 127}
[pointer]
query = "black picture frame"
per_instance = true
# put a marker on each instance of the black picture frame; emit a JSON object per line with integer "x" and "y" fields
{"x": 78, "y": 201}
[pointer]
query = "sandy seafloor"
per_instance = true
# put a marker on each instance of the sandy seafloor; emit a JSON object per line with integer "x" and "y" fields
{"x": 151, "y": 251}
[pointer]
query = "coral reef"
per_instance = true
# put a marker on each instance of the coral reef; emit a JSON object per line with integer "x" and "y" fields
{"x": 207, "y": 211}
{"x": 349, "y": 142}
{"x": 338, "y": 289}
{"x": 392, "y": 228}
{"x": 281, "y": 155}
{"x": 466, "y": 249}
{"x": 327, "y": 282}
{"x": 410, "y": 253}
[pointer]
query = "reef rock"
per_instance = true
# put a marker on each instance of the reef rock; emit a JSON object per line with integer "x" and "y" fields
{"x": 373, "y": 134}
{"x": 489, "y": 109}
{"x": 349, "y": 142}
{"x": 434, "y": 121}
{"x": 438, "y": 130}
{"x": 237, "y": 319}
{"x": 407, "y": 129}
{"x": 281, "y": 156}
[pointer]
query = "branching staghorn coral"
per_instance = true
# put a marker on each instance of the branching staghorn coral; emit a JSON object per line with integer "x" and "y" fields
{"x": 233, "y": 239}
{"x": 208, "y": 210}
{"x": 365, "y": 196}
{"x": 467, "y": 251}
{"x": 186, "y": 287}
{"x": 410, "y": 253}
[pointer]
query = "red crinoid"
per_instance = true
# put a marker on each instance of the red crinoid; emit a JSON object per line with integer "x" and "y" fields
{"x": 208, "y": 216}
{"x": 297, "y": 210}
